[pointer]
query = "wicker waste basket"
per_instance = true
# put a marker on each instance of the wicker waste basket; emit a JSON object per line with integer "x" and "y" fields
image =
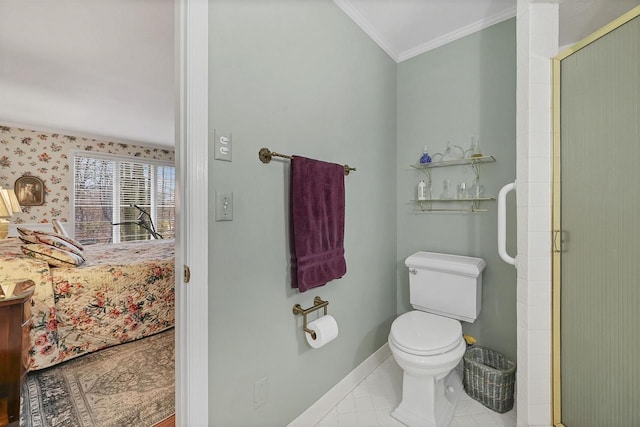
{"x": 489, "y": 377}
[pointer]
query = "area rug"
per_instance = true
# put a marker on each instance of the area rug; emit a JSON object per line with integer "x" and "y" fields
{"x": 128, "y": 385}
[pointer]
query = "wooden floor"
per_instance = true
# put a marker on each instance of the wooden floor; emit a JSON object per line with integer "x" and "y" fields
{"x": 167, "y": 422}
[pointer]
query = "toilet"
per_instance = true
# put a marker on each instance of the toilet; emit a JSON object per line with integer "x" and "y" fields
{"x": 427, "y": 342}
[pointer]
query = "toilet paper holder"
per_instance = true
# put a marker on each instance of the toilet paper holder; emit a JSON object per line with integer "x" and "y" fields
{"x": 318, "y": 303}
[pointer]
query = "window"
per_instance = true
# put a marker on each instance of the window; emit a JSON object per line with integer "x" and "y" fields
{"x": 136, "y": 194}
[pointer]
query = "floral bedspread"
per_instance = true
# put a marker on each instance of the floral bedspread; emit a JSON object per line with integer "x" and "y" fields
{"x": 122, "y": 292}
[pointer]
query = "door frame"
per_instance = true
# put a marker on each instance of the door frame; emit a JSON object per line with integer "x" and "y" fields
{"x": 556, "y": 209}
{"x": 192, "y": 237}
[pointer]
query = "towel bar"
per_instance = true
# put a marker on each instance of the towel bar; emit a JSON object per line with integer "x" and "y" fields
{"x": 265, "y": 156}
{"x": 317, "y": 304}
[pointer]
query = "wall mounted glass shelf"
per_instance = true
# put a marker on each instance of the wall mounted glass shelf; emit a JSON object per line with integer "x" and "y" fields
{"x": 473, "y": 203}
{"x": 459, "y": 162}
{"x": 466, "y": 199}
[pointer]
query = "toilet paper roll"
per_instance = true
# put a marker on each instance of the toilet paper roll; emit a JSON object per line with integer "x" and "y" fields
{"x": 326, "y": 329}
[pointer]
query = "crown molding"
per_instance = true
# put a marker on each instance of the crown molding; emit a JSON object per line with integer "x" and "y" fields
{"x": 458, "y": 34}
{"x": 365, "y": 25}
{"x": 352, "y": 13}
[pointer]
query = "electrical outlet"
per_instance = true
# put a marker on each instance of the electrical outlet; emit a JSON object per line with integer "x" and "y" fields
{"x": 260, "y": 392}
{"x": 222, "y": 145}
{"x": 224, "y": 206}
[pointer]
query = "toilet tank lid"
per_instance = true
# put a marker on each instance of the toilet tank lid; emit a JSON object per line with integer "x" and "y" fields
{"x": 468, "y": 266}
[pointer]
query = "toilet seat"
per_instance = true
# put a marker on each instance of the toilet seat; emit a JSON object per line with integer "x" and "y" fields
{"x": 425, "y": 334}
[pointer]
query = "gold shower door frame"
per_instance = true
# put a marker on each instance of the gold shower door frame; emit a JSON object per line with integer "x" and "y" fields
{"x": 556, "y": 209}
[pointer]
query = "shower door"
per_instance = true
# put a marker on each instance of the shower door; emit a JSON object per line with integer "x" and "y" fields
{"x": 596, "y": 274}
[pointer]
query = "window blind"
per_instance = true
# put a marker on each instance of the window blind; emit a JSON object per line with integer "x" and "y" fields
{"x": 111, "y": 190}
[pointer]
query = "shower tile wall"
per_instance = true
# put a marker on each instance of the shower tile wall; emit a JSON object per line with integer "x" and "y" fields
{"x": 537, "y": 28}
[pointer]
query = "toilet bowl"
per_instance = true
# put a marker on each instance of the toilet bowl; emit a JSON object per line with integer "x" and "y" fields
{"x": 427, "y": 347}
{"x": 427, "y": 343}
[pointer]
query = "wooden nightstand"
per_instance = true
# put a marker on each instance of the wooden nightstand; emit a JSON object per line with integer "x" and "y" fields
{"x": 15, "y": 344}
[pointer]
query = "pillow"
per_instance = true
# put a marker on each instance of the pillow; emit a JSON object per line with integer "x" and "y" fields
{"x": 29, "y": 238}
{"x": 26, "y": 232}
{"x": 57, "y": 242}
{"x": 53, "y": 256}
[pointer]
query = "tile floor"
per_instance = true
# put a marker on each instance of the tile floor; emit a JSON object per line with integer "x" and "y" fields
{"x": 370, "y": 403}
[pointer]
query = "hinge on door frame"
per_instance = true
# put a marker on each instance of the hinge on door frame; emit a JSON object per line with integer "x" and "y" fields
{"x": 187, "y": 274}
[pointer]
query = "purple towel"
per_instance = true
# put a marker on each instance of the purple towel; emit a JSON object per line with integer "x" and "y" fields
{"x": 317, "y": 223}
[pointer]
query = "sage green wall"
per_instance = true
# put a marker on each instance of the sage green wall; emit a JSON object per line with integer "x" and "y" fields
{"x": 463, "y": 88}
{"x": 298, "y": 77}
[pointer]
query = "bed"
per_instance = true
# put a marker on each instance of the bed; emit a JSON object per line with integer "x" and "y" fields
{"x": 122, "y": 292}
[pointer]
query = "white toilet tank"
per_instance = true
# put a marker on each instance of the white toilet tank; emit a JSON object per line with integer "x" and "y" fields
{"x": 448, "y": 285}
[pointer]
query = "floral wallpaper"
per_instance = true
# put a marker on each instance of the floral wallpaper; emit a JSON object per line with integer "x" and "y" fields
{"x": 46, "y": 156}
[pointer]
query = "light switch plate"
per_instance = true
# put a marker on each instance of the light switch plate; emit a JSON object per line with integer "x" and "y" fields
{"x": 224, "y": 206}
{"x": 260, "y": 392}
{"x": 222, "y": 145}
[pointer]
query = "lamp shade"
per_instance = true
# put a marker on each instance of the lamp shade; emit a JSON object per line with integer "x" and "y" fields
{"x": 15, "y": 205}
{"x": 5, "y": 204}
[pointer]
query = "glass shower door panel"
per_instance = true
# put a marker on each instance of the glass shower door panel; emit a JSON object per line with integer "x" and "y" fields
{"x": 600, "y": 218}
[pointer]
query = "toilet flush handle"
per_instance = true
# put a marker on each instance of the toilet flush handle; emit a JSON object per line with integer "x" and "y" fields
{"x": 413, "y": 271}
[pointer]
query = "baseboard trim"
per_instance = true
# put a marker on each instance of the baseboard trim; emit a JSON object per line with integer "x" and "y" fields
{"x": 314, "y": 413}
